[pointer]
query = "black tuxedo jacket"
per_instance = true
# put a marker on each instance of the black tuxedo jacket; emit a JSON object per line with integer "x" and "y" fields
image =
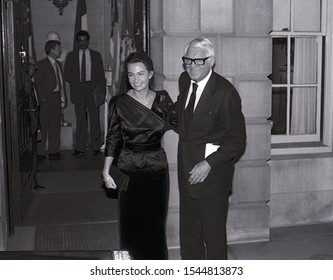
{"x": 217, "y": 119}
{"x": 72, "y": 74}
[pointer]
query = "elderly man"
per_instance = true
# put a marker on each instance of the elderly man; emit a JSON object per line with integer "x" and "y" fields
{"x": 211, "y": 138}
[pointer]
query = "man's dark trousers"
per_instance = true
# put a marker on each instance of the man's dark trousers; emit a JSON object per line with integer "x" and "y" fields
{"x": 86, "y": 101}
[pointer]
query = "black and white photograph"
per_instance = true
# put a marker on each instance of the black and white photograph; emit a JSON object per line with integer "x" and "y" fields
{"x": 193, "y": 134}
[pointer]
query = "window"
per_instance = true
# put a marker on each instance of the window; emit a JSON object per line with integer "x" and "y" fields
{"x": 296, "y": 88}
{"x": 298, "y": 52}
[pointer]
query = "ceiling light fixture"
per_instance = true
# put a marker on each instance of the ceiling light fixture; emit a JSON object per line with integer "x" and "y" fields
{"x": 60, "y": 4}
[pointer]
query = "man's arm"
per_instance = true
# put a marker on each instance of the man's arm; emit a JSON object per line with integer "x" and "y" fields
{"x": 101, "y": 74}
{"x": 40, "y": 78}
{"x": 234, "y": 144}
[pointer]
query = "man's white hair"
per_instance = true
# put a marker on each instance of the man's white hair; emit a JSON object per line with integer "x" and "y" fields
{"x": 202, "y": 43}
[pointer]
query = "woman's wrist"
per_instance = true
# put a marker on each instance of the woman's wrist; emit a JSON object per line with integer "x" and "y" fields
{"x": 105, "y": 172}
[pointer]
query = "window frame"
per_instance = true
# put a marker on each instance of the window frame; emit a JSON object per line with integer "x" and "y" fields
{"x": 324, "y": 143}
{"x": 288, "y": 138}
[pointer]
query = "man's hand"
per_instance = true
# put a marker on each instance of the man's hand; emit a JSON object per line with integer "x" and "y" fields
{"x": 199, "y": 172}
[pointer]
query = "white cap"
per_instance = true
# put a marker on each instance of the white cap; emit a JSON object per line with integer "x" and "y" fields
{"x": 52, "y": 36}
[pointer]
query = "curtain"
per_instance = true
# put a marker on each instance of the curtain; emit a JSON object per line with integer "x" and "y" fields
{"x": 80, "y": 20}
{"x": 127, "y": 43}
{"x": 303, "y": 99}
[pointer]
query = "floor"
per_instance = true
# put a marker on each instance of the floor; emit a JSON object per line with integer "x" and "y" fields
{"x": 75, "y": 217}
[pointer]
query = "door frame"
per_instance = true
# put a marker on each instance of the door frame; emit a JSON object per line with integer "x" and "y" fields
{"x": 5, "y": 116}
{"x": 18, "y": 192}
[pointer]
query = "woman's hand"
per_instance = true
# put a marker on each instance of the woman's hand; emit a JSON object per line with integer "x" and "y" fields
{"x": 108, "y": 181}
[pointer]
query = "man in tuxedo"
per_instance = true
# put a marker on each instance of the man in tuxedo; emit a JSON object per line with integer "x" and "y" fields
{"x": 212, "y": 137}
{"x": 84, "y": 72}
{"x": 50, "y": 85}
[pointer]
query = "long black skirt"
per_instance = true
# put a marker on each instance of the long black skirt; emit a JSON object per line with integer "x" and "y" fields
{"x": 143, "y": 211}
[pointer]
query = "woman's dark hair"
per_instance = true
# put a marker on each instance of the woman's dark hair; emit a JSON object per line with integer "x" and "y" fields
{"x": 140, "y": 57}
{"x": 51, "y": 45}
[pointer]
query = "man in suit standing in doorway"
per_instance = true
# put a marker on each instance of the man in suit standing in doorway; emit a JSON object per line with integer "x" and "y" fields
{"x": 50, "y": 85}
{"x": 84, "y": 72}
{"x": 212, "y": 137}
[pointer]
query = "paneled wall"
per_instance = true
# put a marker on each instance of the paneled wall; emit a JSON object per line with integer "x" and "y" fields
{"x": 301, "y": 189}
{"x": 239, "y": 30}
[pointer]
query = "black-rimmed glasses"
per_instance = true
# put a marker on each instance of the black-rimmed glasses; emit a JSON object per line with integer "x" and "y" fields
{"x": 197, "y": 61}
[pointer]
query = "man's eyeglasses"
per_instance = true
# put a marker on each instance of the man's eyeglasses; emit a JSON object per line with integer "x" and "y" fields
{"x": 197, "y": 61}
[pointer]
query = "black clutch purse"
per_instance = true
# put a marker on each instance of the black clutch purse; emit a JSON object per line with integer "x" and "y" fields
{"x": 120, "y": 178}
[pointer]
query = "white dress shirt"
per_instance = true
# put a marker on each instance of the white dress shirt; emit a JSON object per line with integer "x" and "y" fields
{"x": 201, "y": 87}
{"x": 60, "y": 82}
{"x": 88, "y": 63}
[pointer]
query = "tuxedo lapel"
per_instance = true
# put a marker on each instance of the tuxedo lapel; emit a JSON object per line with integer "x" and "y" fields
{"x": 201, "y": 110}
{"x": 204, "y": 101}
{"x": 184, "y": 90}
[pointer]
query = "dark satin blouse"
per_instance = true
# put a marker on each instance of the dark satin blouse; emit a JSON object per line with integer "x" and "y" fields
{"x": 134, "y": 123}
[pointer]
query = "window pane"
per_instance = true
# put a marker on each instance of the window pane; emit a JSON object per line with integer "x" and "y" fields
{"x": 279, "y": 72}
{"x": 303, "y": 110}
{"x": 307, "y": 15}
{"x": 304, "y": 60}
{"x": 279, "y": 110}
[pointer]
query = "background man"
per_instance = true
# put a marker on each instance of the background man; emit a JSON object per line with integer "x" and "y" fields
{"x": 54, "y": 36}
{"x": 85, "y": 73}
{"x": 211, "y": 138}
{"x": 50, "y": 85}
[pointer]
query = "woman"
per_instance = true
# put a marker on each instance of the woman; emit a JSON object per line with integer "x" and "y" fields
{"x": 138, "y": 120}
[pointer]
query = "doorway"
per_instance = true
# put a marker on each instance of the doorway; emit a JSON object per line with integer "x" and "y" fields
{"x": 17, "y": 136}
{"x": 17, "y": 139}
